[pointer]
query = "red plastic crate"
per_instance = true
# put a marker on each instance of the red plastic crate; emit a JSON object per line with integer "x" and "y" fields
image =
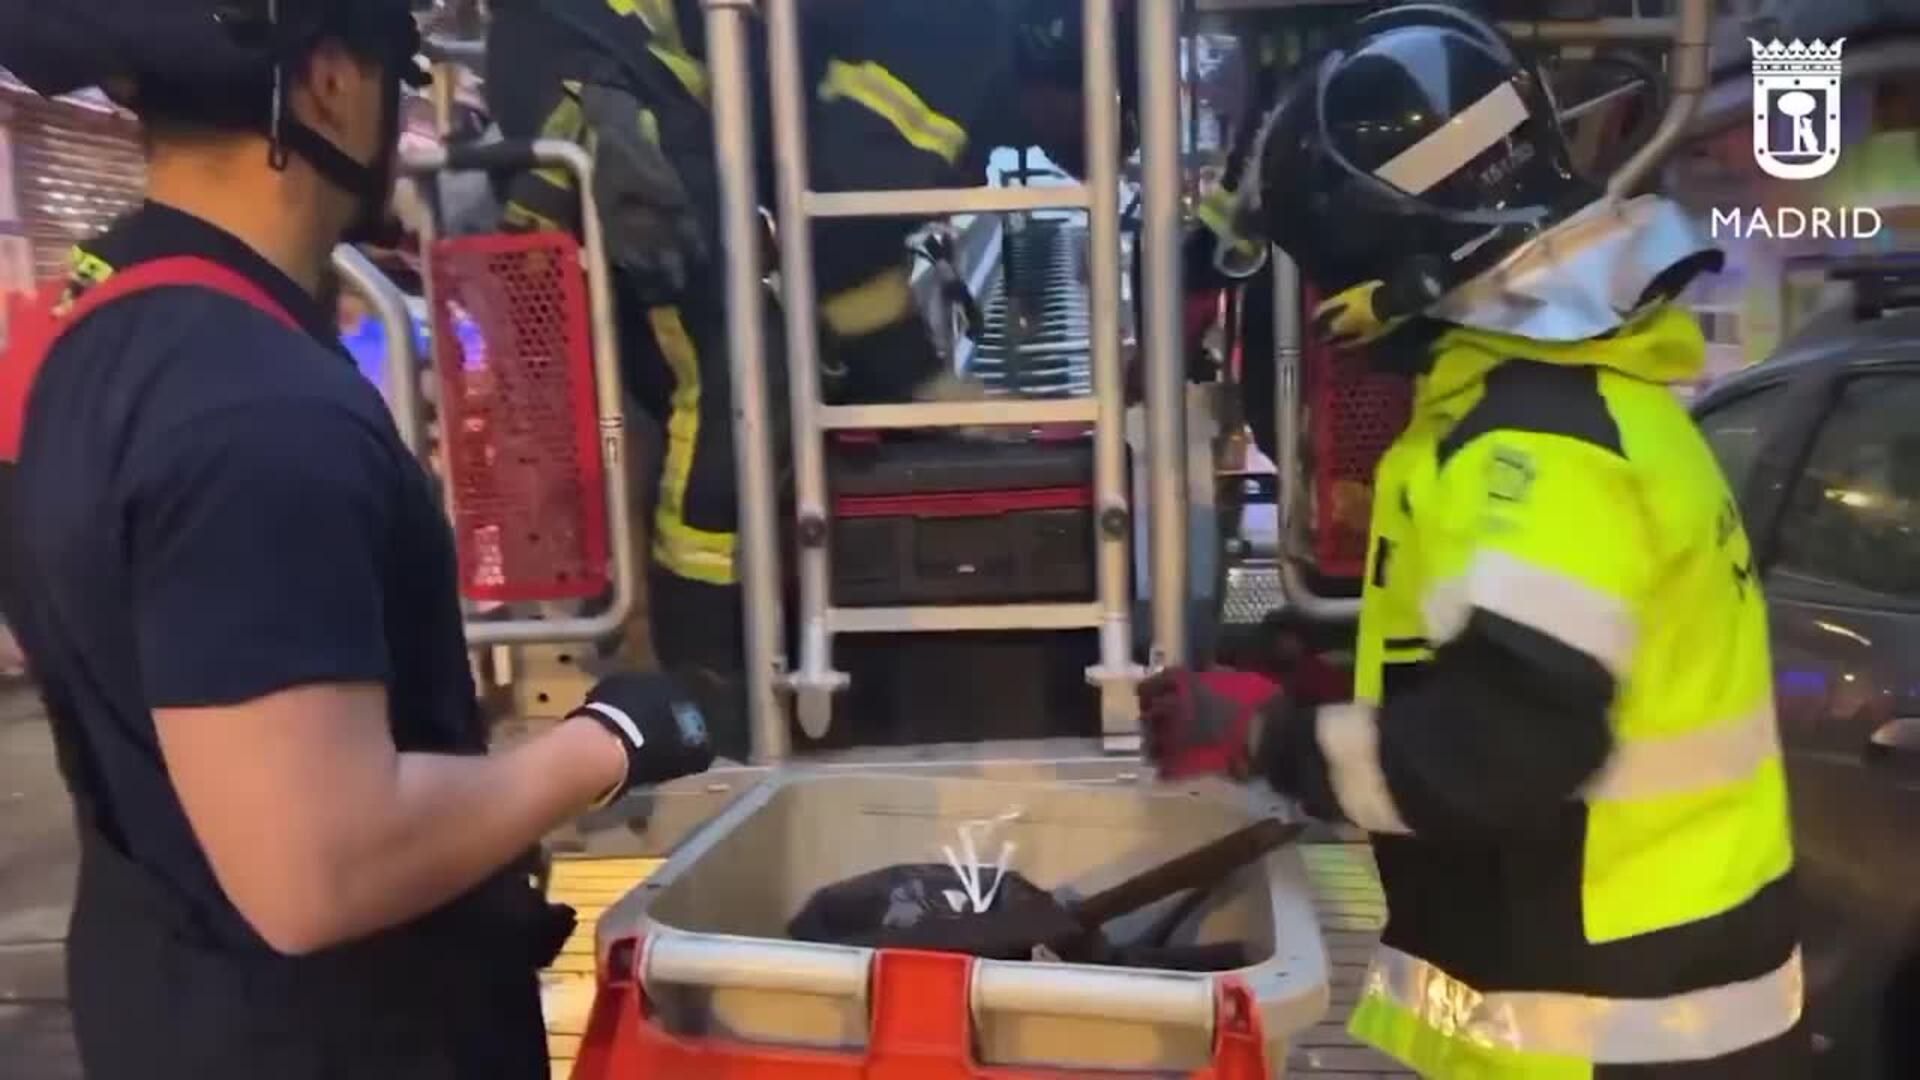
{"x": 1354, "y": 414}
{"x": 513, "y": 347}
{"x": 921, "y": 1029}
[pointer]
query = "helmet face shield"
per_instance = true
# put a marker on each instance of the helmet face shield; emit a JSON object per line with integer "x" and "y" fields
{"x": 1296, "y": 188}
{"x": 1422, "y": 141}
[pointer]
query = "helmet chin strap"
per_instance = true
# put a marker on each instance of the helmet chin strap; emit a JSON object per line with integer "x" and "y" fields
{"x": 370, "y": 183}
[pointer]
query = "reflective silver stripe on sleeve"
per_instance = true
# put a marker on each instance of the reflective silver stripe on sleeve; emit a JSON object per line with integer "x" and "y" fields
{"x": 1695, "y": 760}
{"x": 1349, "y": 738}
{"x": 1450, "y": 147}
{"x": 1693, "y": 1026}
{"x": 1561, "y": 607}
{"x": 620, "y": 720}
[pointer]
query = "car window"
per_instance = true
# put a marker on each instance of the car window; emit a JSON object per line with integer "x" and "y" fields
{"x": 1736, "y": 431}
{"x": 1853, "y": 519}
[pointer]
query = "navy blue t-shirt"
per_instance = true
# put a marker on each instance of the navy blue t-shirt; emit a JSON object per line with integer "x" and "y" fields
{"x": 211, "y": 508}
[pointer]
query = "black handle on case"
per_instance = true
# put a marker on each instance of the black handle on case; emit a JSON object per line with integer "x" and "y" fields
{"x": 510, "y": 155}
{"x": 1202, "y": 868}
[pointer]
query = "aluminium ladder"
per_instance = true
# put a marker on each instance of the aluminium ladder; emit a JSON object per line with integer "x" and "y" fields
{"x": 813, "y": 680}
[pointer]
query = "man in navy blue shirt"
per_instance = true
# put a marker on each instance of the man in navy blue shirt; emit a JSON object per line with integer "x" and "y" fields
{"x": 238, "y": 594}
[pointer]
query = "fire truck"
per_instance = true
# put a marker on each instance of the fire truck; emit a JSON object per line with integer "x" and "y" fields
{"x": 1177, "y": 459}
{"x": 944, "y": 628}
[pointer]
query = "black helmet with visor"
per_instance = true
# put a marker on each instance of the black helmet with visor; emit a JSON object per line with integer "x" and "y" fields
{"x": 1411, "y": 158}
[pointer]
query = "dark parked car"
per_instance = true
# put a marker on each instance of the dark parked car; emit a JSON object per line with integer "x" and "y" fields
{"x": 1822, "y": 446}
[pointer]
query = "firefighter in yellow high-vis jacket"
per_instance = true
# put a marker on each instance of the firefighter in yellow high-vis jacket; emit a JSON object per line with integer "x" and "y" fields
{"x": 902, "y": 94}
{"x": 1562, "y": 740}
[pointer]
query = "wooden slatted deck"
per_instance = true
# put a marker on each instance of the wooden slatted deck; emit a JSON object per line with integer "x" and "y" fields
{"x": 591, "y": 886}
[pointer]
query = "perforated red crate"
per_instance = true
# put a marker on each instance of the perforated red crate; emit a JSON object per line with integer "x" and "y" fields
{"x": 1354, "y": 414}
{"x": 922, "y": 1028}
{"x": 513, "y": 347}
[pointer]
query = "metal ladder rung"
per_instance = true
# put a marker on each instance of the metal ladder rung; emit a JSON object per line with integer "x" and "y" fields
{"x": 1053, "y": 360}
{"x": 955, "y": 619}
{"x": 944, "y": 202}
{"x": 945, "y": 414}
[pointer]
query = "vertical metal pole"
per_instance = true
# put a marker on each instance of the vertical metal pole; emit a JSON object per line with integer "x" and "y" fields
{"x": 402, "y": 357}
{"x": 815, "y": 681}
{"x": 446, "y": 84}
{"x": 1116, "y": 673}
{"x": 425, "y": 177}
{"x": 1190, "y": 82}
{"x": 1161, "y": 336}
{"x": 609, "y": 388}
{"x": 1690, "y": 75}
{"x": 1287, "y": 358}
{"x": 757, "y": 557}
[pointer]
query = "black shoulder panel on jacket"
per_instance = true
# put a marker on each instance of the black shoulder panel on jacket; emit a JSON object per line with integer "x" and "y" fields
{"x": 1551, "y": 399}
{"x": 1507, "y": 726}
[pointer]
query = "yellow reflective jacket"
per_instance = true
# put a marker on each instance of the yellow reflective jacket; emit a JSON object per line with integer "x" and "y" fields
{"x": 1551, "y": 518}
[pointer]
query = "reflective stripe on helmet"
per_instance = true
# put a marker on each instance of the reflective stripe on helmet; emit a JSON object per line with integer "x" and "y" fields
{"x": 1583, "y": 1028}
{"x": 1422, "y": 166}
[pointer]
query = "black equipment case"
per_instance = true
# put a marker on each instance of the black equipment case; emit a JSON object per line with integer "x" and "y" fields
{"x": 943, "y": 520}
{"x": 952, "y": 521}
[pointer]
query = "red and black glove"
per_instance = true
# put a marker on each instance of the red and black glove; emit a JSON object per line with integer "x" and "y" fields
{"x": 1205, "y": 723}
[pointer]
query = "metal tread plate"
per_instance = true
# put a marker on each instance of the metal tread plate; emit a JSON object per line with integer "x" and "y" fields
{"x": 1038, "y": 316}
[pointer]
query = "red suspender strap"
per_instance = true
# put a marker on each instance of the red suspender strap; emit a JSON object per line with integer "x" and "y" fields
{"x": 39, "y": 330}
{"x": 187, "y": 271}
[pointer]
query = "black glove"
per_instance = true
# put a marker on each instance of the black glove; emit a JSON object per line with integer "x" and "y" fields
{"x": 662, "y": 729}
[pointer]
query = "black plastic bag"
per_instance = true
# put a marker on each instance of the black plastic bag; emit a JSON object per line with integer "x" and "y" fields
{"x": 922, "y": 906}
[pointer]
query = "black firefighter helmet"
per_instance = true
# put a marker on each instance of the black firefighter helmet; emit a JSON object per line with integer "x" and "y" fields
{"x": 215, "y": 64}
{"x": 1407, "y": 160}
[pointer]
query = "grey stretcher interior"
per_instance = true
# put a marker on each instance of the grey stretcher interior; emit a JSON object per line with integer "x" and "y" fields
{"x": 718, "y": 963}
